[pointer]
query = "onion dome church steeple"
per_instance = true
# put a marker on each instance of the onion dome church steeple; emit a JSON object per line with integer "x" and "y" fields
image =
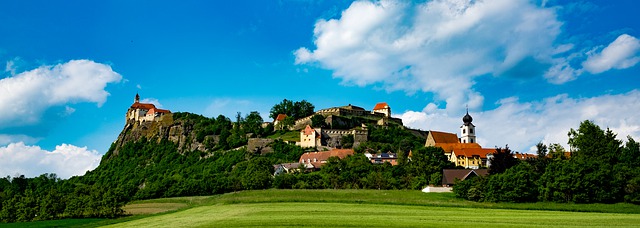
{"x": 467, "y": 118}
{"x": 137, "y": 99}
{"x": 467, "y": 130}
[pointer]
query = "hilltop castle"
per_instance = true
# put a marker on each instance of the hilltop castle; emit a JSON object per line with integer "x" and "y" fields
{"x": 144, "y": 112}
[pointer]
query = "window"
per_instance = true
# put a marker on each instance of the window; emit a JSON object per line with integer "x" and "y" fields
{"x": 471, "y": 130}
{"x": 471, "y": 140}
{"x": 464, "y": 131}
{"x": 464, "y": 141}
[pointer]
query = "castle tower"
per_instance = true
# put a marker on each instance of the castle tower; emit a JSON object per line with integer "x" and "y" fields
{"x": 467, "y": 130}
{"x": 137, "y": 99}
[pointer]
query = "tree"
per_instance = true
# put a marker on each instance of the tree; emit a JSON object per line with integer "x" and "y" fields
{"x": 253, "y": 123}
{"x": 297, "y": 110}
{"x": 284, "y": 107}
{"x": 303, "y": 109}
{"x": 318, "y": 121}
{"x": 426, "y": 161}
{"x": 347, "y": 141}
{"x": 502, "y": 160}
{"x": 286, "y": 123}
{"x": 517, "y": 184}
{"x": 591, "y": 142}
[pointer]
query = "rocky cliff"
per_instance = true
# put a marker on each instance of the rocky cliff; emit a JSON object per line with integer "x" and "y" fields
{"x": 181, "y": 132}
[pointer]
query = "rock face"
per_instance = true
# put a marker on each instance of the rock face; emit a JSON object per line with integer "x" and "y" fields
{"x": 260, "y": 145}
{"x": 180, "y": 132}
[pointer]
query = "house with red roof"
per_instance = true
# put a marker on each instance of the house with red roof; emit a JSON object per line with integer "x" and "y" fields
{"x": 315, "y": 160}
{"x": 383, "y": 108}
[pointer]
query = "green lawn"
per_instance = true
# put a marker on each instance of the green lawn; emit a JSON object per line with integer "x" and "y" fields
{"x": 56, "y": 223}
{"x": 294, "y": 214}
{"x": 355, "y": 208}
{"x": 286, "y": 136}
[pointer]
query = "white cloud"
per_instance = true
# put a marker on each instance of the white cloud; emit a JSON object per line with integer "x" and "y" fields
{"x": 26, "y": 96}
{"x": 624, "y": 52}
{"x": 152, "y": 101}
{"x": 523, "y": 124}
{"x": 66, "y": 160}
{"x": 438, "y": 46}
{"x": 5, "y": 139}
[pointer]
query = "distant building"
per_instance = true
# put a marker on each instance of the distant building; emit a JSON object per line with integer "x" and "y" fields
{"x": 450, "y": 176}
{"x": 144, "y": 112}
{"x": 315, "y": 137}
{"x": 465, "y": 151}
{"x": 315, "y": 160}
{"x": 468, "y": 130}
{"x": 382, "y": 108}
{"x": 341, "y": 117}
{"x": 471, "y": 158}
{"x": 286, "y": 168}
{"x": 381, "y": 158}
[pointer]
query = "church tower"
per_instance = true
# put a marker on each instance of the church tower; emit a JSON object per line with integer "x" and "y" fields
{"x": 137, "y": 99}
{"x": 468, "y": 130}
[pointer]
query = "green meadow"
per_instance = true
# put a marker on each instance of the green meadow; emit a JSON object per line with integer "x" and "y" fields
{"x": 356, "y": 208}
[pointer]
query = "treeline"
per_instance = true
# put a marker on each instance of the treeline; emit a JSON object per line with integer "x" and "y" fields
{"x": 48, "y": 197}
{"x": 357, "y": 172}
{"x": 598, "y": 169}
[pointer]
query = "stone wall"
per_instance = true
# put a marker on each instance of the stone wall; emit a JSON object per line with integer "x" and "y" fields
{"x": 259, "y": 145}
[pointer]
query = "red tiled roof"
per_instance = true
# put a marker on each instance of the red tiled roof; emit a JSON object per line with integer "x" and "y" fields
{"x": 450, "y": 175}
{"x": 470, "y": 152}
{"x": 444, "y": 137}
{"x": 142, "y": 106}
{"x": 381, "y": 105}
{"x": 523, "y": 156}
{"x": 321, "y": 157}
{"x": 308, "y": 130}
{"x": 281, "y": 117}
{"x": 157, "y": 110}
{"x": 448, "y": 147}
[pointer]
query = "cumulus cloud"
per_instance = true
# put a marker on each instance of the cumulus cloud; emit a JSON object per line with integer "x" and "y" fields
{"x": 436, "y": 46}
{"x": 66, "y": 160}
{"x": 624, "y": 52}
{"x": 152, "y": 101}
{"x": 523, "y": 124}
{"x": 24, "y": 97}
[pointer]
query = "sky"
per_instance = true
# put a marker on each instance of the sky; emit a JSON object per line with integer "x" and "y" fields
{"x": 528, "y": 71}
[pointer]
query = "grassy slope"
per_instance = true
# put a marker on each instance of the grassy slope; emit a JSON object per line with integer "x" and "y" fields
{"x": 373, "y": 215}
{"x": 286, "y": 136}
{"x": 364, "y": 208}
{"x": 358, "y": 208}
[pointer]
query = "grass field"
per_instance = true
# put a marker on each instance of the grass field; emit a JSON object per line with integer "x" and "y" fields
{"x": 286, "y": 136}
{"x": 356, "y": 208}
{"x": 374, "y": 215}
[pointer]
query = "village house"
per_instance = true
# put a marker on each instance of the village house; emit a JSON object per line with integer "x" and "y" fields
{"x": 279, "y": 118}
{"x": 144, "y": 112}
{"x": 450, "y": 176}
{"x": 471, "y": 158}
{"x": 381, "y": 158}
{"x": 286, "y": 168}
{"x": 315, "y": 160}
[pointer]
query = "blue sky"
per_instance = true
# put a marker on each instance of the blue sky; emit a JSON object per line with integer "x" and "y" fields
{"x": 528, "y": 70}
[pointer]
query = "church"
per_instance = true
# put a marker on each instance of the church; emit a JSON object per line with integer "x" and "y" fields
{"x": 464, "y": 151}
